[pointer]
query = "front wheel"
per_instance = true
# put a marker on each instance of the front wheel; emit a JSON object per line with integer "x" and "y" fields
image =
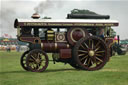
{"x": 90, "y": 53}
{"x": 37, "y": 61}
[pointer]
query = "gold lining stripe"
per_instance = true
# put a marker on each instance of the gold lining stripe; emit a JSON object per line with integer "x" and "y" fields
{"x": 42, "y": 45}
{"x": 50, "y": 35}
{"x": 39, "y": 41}
{"x": 25, "y": 40}
{"x": 50, "y": 31}
{"x": 36, "y": 38}
{"x": 108, "y": 38}
{"x": 55, "y": 46}
{"x": 67, "y": 45}
{"x": 75, "y": 30}
{"x": 111, "y": 42}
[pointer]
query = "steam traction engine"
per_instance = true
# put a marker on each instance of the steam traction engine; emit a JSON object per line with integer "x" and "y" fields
{"x": 82, "y": 43}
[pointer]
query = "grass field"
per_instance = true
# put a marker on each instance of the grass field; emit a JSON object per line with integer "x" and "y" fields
{"x": 115, "y": 72}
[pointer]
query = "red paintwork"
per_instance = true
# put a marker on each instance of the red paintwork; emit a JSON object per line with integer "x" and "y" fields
{"x": 53, "y": 47}
{"x": 65, "y": 53}
{"x": 77, "y": 35}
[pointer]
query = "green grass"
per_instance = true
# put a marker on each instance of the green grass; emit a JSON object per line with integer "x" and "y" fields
{"x": 115, "y": 72}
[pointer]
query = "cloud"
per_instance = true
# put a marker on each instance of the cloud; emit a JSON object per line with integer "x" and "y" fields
{"x": 10, "y": 10}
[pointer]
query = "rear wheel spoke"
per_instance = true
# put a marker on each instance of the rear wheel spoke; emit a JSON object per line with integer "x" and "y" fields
{"x": 99, "y": 59}
{"x": 82, "y": 46}
{"x": 84, "y": 57}
{"x": 83, "y": 51}
{"x": 91, "y": 62}
{"x": 88, "y": 61}
{"x": 81, "y": 55}
{"x": 97, "y": 44}
{"x": 85, "y": 62}
{"x": 97, "y": 48}
{"x": 92, "y": 44}
{"x": 98, "y": 55}
{"x": 95, "y": 61}
{"x": 86, "y": 45}
{"x": 100, "y": 51}
{"x": 89, "y": 43}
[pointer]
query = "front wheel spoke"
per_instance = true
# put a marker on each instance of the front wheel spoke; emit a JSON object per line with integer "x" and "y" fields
{"x": 33, "y": 57}
{"x": 31, "y": 60}
{"x": 99, "y": 59}
{"x": 84, "y": 57}
{"x": 38, "y": 55}
{"x": 83, "y": 51}
{"x": 32, "y": 65}
{"x": 38, "y": 65}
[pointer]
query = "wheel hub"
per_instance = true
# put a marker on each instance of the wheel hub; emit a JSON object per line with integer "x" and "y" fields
{"x": 91, "y": 53}
{"x": 37, "y": 60}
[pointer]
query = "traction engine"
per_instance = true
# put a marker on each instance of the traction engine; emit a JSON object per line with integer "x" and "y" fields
{"x": 83, "y": 43}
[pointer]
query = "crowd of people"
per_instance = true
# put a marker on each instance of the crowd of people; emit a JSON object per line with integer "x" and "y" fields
{"x": 18, "y": 48}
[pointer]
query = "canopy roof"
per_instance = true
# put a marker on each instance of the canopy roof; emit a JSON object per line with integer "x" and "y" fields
{"x": 63, "y": 22}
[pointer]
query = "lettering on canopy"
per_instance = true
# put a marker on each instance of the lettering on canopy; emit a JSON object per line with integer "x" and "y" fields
{"x": 66, "y": 24}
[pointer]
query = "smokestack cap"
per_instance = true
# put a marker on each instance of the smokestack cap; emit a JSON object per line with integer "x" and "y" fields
{"x": 35, "y": 16}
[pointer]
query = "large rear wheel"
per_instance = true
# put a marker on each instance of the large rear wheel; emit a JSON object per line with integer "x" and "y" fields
{"x": 90, "y": 53}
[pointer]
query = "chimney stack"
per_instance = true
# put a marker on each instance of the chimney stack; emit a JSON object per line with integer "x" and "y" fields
{"x": 35, "y": 16}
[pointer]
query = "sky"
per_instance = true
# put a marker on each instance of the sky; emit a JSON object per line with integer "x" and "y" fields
{"x": 58, "y": 9}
